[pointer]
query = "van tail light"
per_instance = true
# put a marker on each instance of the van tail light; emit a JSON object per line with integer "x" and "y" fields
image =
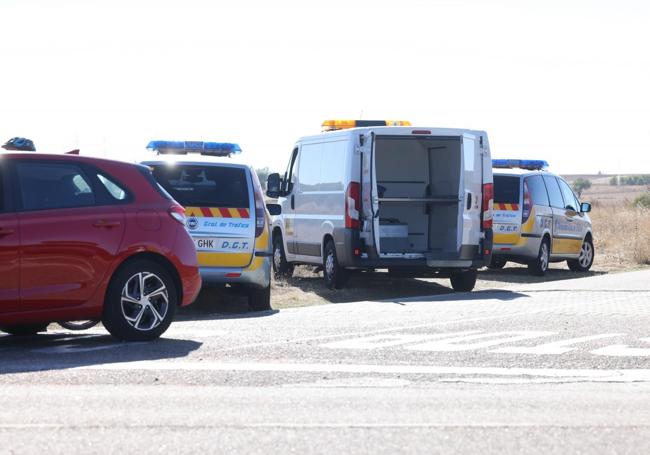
{"x": 486, "y": 206}
{"x": 528, "y": 204}
{"x": 352, "y": 206}
{"x": 260, "y": 209}
{"x": 178, "y": 213}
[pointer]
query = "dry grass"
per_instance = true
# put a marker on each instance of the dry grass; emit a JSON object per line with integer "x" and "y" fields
{"x": 622, "y": 234}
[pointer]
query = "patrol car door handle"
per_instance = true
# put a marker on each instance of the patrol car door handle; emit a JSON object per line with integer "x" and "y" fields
{"x": 106, "y": 224}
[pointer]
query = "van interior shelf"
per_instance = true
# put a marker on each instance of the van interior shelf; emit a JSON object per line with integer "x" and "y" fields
{"x": 448, "y": 199}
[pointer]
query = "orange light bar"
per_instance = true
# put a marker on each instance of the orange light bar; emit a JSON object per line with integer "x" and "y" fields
{"x": 334, "y": 125}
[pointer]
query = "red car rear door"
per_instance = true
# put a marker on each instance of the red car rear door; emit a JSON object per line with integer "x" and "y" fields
{"x": 9, "y": 259}
{"x": 68, "y": 237}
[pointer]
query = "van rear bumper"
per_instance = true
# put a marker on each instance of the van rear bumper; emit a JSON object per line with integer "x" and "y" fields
{"x": 469, "y": 256}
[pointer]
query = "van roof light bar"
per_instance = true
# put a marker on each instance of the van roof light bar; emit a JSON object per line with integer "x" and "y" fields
{"x": 185, "y": 147}
{"x": 531, "y": 165}
{"x": 335, "y": 125}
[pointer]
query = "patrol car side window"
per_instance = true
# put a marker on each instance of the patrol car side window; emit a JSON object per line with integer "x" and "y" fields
{"x": 554, "y": 193}
{"x": 567, "y": 194}
{"x": 537, "y": 190}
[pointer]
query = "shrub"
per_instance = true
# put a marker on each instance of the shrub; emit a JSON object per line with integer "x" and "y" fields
{"x": 580, "y": 185}
{"x": 642, "y": 201}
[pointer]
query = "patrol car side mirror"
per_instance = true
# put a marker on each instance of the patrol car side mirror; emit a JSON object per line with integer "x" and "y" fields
{"x": 273, "y": 186}
{"x": 585, "y": 207}
{"x": 274, "y": 209}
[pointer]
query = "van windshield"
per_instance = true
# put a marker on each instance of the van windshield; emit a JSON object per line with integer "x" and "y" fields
{"x": 204, "y": 186}
{"x": 506, "y": 189}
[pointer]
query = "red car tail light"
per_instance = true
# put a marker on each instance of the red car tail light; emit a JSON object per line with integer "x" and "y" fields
{"x": 178, "y": 213}
{"x": 486, "y": 206}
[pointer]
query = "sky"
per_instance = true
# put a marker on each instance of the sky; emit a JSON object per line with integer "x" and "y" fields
{"x": 563, "y": 80}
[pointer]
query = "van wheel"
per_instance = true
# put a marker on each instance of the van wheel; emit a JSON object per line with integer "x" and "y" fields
{"x": 539, "y": 265}
{"x": 335, "y": 275}
{"x": 281, "y": 268}
{"x": 497, "y": 262}
{"x": 586, "y": 258}
{"x": 22, "y": 330}
{"x": 140, "y": 302}
{"x": 259, "y": 299}
{"x": 463, "y": 281}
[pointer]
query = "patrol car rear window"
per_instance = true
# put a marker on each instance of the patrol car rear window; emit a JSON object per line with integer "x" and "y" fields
{"x": 506, "y": 189}
{"x": 204, "y": 186}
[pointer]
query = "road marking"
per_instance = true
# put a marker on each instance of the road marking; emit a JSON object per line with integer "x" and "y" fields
{"x": 384, "y": 341}
{"x": 555, "y": 348}
{"x": 464, "y": 343}
{"x": 624, "y": 350}
{"x": 622, "y": 375}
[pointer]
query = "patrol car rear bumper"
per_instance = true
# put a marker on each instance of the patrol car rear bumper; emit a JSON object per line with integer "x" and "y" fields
{"x": 469, "y": 256}
{"x": 259, "y": 278}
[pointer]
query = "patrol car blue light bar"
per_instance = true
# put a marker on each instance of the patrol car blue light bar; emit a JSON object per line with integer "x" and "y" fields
{"x": 533, "y": 165}
{"x": 185, "y": 147}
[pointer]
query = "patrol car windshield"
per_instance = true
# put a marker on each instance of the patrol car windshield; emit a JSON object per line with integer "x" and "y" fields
{"x": 506, "y": 189}
{"x": 204, "y": 186}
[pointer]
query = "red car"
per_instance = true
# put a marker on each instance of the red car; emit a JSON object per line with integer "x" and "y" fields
{"x": 86, "y": 239}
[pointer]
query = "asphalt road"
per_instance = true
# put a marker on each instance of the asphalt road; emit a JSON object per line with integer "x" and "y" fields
{"x": 560, "y": 367}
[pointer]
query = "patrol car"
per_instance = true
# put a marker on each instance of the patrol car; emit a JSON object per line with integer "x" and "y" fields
{"x": 538, "y": 219}
{"x": 225, "y": 213}
{"x": 383, "y": 194}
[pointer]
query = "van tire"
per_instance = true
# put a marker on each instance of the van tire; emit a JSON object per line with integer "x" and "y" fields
{"x": 116, "y": 308}
{"x": 335, "y": 276}
{"x": 259, "y": 299}
{"x": 539, "y": 265}
{"x": 281, "y": 268}
{"x": 586, "y": 259}
{"x": 23, "y": 330}
{"x": 463, "y": 281}
{"x": 497, "y": 263}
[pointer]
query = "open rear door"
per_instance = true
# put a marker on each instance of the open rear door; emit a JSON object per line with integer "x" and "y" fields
{"x": 369, "y": 196}
{"x": 472, "y": 187}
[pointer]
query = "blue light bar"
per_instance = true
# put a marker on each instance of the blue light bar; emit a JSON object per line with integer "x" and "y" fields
{"x": 185, "y": 147}
{"x": 532, "y": 165}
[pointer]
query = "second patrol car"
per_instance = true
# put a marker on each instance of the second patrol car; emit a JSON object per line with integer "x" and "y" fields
{"x": 538, "y": 219}
{"x": 225, "y": 213}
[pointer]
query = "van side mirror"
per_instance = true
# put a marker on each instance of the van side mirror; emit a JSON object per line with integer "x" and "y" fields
{"x": 273, "y": 185}
{"x": 274, "y": 209}
{"x": 585, "y": 207}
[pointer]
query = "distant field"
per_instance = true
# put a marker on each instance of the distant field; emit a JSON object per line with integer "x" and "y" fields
{"x": 601, "y": 192}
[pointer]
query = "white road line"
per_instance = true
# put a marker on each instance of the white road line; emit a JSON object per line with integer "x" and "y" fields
{"x": 384, "y": 341}
{"x": 555, "y": 348}
{"x": 622, "y": 375}
{"x": 624, "y": 350}
{"x": 470, "y": 342}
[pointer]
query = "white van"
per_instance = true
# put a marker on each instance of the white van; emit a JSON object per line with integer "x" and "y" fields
{"x": 365, "y": 195}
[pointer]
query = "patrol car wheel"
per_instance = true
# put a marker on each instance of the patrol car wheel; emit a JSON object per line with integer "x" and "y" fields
{"x": 539, "y": 265}
{"x": 497, "y": 262}
{"x": 463, "y": 281}
{"x": 259, "y": 299}
{"x": 140, "y": 302}
{"x": 21, "y": 330}
{"x": 586, "y": 258}
{"x": 335, "y": 275}
{"x": 281, "y": 268}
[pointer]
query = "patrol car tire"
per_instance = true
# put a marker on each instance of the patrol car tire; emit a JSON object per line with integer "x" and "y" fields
{"x": 281, "y": 268}
{"x": 119, "y": 310}
{"x": 259, "y": 299}
{"x": 497, "y": 263}
{"x": 22, "y": 330}
{"x": 335, "y": 276}
{"x": 463, "y": 281}
{"x": 583, "y": 263}
{"x": 539, "y": 265}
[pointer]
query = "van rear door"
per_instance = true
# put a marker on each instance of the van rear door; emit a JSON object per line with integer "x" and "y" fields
{"x": 471, "y": 189}
{"x": 218, "y": 203}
